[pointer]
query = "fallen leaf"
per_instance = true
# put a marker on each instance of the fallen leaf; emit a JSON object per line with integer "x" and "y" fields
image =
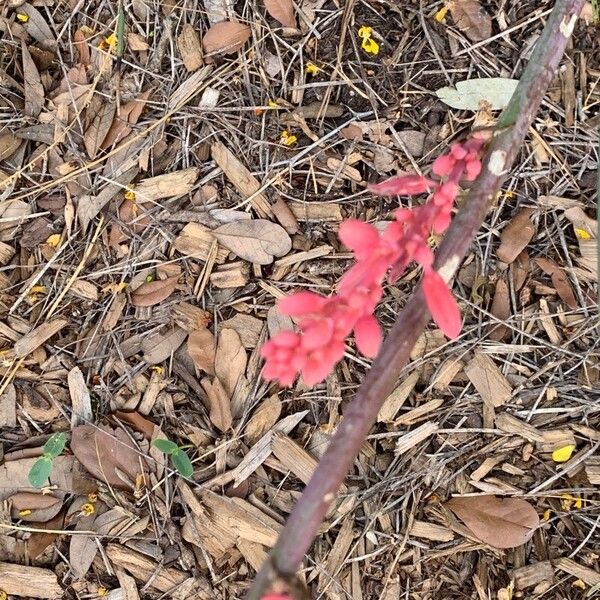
{"x": 226, "y": 37}
{"x": 104, "y": 452}
{"x": 468, "y": 94}
{"x": 176, "y": 183}
{"x": 128, "y": 116}
{"x": 138, "y": 422}
{"x": 499, "y": 522}
{"x": 154, "y": 292}
{"x": 230, "y": 359}
{"x": 586, "y": 232}
{"x": 34, "y": 90}
{"x": 563, "y": 454}
{"x": 263, "y": 419}
{"x": 44, "y": 535}
{"x": 202, "y": 349}
{"x": 34, "y": 508}
{"x": 36, "y": 25}
{"x": 501, "y": 310}
{"x": 471, "y": 19}
{"x": 98, "y": 130}
{"x": 162, "y": 344}
{"x": 560, "y": 281}
{"x": 257, "y": 240}
{"x": 515, "y": 236}
{"x": 282, "y": 11}
{"x": 220, "y": 404}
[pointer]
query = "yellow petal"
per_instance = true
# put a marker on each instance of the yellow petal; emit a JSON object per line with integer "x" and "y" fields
{"x": 370, "y": 46}
{"x": 102, "y": 591}
{"x": 38, "y": 289}
{"x": 440, "y": 15}
{"x": 287, "y": 139}
{"x": 129, "y": 195}
{"x": 53, "y": 240}
{"x": 365, "y": 32}
{"x": 22, "y": 17}
{"x": 24, "y": 512}
{"x": 582, "y": 234}
{"x": 579, "y": 584}
{"x": 273, "y": 104}
{"x": 312, "y": 69}
{"x": 87, "y": 509}
{"x": 547, "y": 514}
{"x": 561, "y": 455}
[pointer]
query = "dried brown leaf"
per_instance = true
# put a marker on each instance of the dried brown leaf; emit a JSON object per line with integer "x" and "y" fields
{"x": 226, "y": 37}
{"x": 515, "y": 236}
{"x": 220, "y": 404}
{"x": 161, "y": 345}
{"x": 202, "y": 349}
{"x": 499, "y": 522}
{"x": 230, "y": 359}
{"x": 36, "y": 25}
{"x": 104, "y": 451}
{"x": 560, "y": 281}
{"x": 138, "y": 422}
{"x": 9, "y": 144}
{"x": 501, "y": 310}
{"x": 154, "y": 292}
{"x": 471, "y": 19}
{"x": 263, "y": 419}
{"x": 282, "y": 11}
{"x": 34, "y": 90}
{"x": 257, "y": 240}
{"x": 97, "y": 131}
{"x": 129, "y": 115}
{"x": 168, "y": 185}
{"x": 34, "y": 508}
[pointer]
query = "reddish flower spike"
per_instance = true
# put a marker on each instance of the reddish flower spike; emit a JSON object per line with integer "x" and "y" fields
{"x": 441, "y": 304}
{"x": 403, "y": 185}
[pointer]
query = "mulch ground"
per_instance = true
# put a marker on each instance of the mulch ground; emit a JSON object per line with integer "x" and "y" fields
{"x": 134, "y": 302}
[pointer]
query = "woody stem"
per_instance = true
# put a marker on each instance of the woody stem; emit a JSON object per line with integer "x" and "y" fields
{"x": 302, "y": 526}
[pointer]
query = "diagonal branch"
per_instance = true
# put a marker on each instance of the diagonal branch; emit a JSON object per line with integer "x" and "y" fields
{"x": 301, "y": 528}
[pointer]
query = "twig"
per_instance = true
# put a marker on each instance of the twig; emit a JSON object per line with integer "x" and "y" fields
{"x": 302, "y": 526}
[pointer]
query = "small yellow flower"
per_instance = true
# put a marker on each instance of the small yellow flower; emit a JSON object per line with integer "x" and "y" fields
{"x": 102, "y": 591}
{"x": 87, "y": 509}
{"x": 547, "y": 514}
{"x": 272, "y": 104}
{"x": 158, "y": 370}
{"x": 3, "y": 595}
{"x": 582, "y": 234}
{"x": 312, "y": 69}
{"x": 561, "y": 455}
{"x": 25, "y": 512}
{"x": 578, "y": 583}
{"x": 92, "y": 497}
{"x": 567, "y": 502}
{"x": 110, "y": 42}
{"x": 369, "y": 45}
{"x": 53, "y": 240}
{"x": 440, "y": 15}
{"x": 129, "y": 195}
{"x": 38, "y": 289}
{"x": 288, "y": 139}
{"x": 508, "y": 194}
{"x": 22, "y": 17}
{"x": 149, "y": 278}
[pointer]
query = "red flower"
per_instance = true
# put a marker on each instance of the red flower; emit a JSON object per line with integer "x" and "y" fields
{"x": 441, "y": 304}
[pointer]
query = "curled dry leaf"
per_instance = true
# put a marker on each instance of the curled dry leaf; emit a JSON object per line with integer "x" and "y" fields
{"x": 515, "y": 236}
{"x": 220, "y": 404}
{"x": 560, "y": 281}
{"x": 108, "y": 454}
{"x": 34, "y": 90}
{"x": 257, "y": 240}
{"x": 154, "y": 292}
{"x": 202, "y": 349}
{"x": 162, "y": 344}
{"x": 226, "y": 37}
{"x": 471, "y": 19}
{"x": 499, "y": 522}
{"x": 230, "y": 359}
{"x": 501, "y": 310}
{"x": 34, "y": 508}
{"x": 282, "y": 11}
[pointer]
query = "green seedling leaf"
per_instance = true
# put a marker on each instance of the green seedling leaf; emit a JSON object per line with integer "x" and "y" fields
{"x": 40, "y": 471}
{"x": 182, "y": 463}
{"x": 166, "y": 446}
{"x": 55, "y": 445}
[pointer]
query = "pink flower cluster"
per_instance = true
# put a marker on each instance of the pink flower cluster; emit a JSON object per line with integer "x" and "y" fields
{"x": 324, "y": 323}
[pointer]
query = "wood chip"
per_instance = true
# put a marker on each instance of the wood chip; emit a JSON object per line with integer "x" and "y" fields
{"x": 31, "y": 582}
{"x": 190, "y": 48}
{"x": 81, "y": 401}
{"x": 488, "y": 380}
{"x": 431, "y": 531}
{"x": 394, "y": 402}
{"x": 169, "y": 185}
{"x": 578, "y": 571}
{"x": 196, "y": 241}
{"x": 35, "y": 338}
{"x": 412, "y": 438}
{"x": 315, "y": 212}
{"x": 245, "y": 183}
{"x": 515, "y": 236}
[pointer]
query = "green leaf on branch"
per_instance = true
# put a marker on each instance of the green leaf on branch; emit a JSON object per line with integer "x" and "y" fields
{"x": 40, "y": 471}
{"x": 166, "y": 446}
{"x": 55, "y": 445}
{"x": 182, "y": 463}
